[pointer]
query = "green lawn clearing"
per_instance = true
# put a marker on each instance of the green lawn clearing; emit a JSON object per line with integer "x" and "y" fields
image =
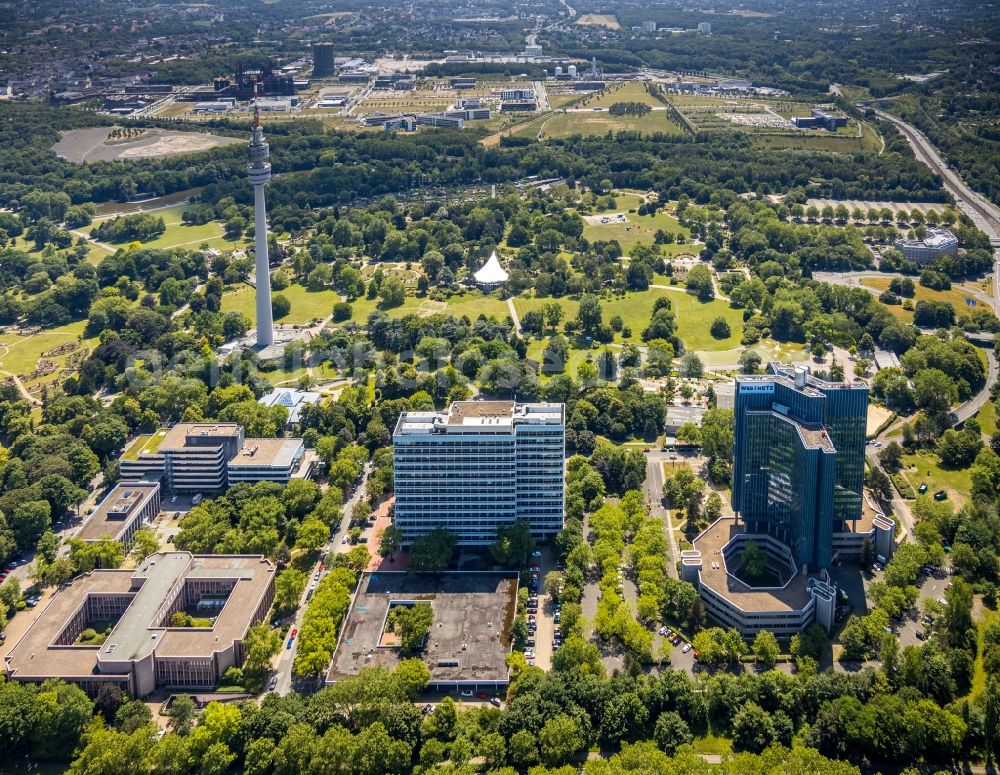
{"x": 307, "y": 306}
{"x": 601, "y": 122}
{"x": 694, "y": 318}
{"x": 640, "y": 229}
{"x": 925, "y": 466}
{"x": 629, "y": 92}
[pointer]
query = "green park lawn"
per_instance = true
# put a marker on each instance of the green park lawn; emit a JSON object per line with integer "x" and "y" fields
{"x": 979, "y": 674}
{"x": 179, "y": 234}
{"x": 629, "y": 92}
{"x": 640, "y": 229}
{"x": 601, "y": 122}
{"x": 927, "y": 465}
{"x": 694, "y": 318}
{"x": 956, "y": 297}
{"x": 19, "y": 354}
{"x": 307, "y": 305}
{"x": 470, "y": 303}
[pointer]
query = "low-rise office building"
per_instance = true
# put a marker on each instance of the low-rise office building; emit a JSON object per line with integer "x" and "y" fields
{"x": 271, "y": 460}
{"x": 122, "y": 512}
{"x": 143, "y": 650}
{"x": 208, "y": 457}
{"x": 478, "y": 466}
{"x": 936, "y": 243}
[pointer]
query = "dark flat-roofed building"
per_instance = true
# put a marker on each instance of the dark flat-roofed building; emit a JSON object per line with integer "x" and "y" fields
{"x": 142, "y": 650}
{"x": 122, "y": 512}
{"x": 798, "y": 474}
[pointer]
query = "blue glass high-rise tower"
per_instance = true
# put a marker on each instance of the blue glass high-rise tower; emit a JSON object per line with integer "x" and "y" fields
{"x": 798, "y": 459}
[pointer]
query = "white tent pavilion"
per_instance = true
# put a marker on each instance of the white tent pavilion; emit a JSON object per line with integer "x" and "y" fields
{"x": 492, "y": 275}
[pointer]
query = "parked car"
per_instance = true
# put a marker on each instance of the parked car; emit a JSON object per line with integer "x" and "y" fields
{"x": 686, "y": 649}
{"x": 529, "y": 654}
{"x": 468, "y": 693}
{"x": 920, "y": 635}
{"x": 272, "y": 684}
{"x": 495, "y": 702}
{"x": 922, "y": 488}
{"x": 530, "y": 642}
{"x": 536, "y": 553}
{"x": 940, "y": 495}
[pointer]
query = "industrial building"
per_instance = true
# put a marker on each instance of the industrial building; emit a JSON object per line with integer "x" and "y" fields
{"x": 478, "y": 466}
{"x": 323, "y": 60}
{"x": 143, "y": 651}
{"x": 798, "y": 475}
{"x": 462, "y": 82}
{"x": 122, "y": 512}
{"x": 209, "y": 457}
{"x": 936, "y": 243}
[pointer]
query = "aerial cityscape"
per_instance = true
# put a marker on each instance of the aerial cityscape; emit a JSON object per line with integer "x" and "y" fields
{"x": 456, "y": 387}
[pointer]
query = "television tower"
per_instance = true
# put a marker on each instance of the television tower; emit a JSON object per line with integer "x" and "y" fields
{"x": 259, "y": 173}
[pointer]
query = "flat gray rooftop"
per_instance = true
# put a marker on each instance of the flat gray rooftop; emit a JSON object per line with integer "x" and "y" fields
{"x": 117, "y": 511}
{"x": 470, "y": 636}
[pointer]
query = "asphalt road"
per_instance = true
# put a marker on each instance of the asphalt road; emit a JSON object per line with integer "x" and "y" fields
{"x": 285, "y": 659}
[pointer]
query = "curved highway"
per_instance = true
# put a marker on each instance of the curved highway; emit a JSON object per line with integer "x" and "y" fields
{"x": 981, "y": 210}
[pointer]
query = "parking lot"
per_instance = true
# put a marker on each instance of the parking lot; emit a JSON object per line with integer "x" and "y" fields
{"x": 544, "y": 613}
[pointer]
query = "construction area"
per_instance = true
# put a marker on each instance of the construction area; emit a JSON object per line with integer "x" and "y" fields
{"x": 469, "y": 640}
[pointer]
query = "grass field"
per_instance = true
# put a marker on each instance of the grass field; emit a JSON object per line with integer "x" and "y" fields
{"x": 601, "y": 122}
{"x": 20, "y": 354}
{"x": 955, "y": 297}
{"x": 927, "y": 465}
{"x": 180, "y": 235}
{"x": 471, "y": 303}
{"x": 640, "y": 229}
{"x": 307, "y": 305}
{"x": 820, "y": 140}
{"x": 629, "y": 92}
{"x": 693, "y": 317}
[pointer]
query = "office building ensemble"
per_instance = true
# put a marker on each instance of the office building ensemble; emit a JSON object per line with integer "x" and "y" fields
{"x": 936, "y": 243}
{"x": 798, "y": 491}
{"x": 478, "y": 466}
{"x": 143, "y": 651}
{"x": 209, "y": 457}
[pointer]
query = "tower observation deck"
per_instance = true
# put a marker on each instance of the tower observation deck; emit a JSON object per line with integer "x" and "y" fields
{"x": 259, "y": 174}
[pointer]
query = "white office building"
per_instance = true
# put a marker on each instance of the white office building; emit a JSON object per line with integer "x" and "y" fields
{"x": 936, "y": 243}
{"x": 478, "y": 466}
